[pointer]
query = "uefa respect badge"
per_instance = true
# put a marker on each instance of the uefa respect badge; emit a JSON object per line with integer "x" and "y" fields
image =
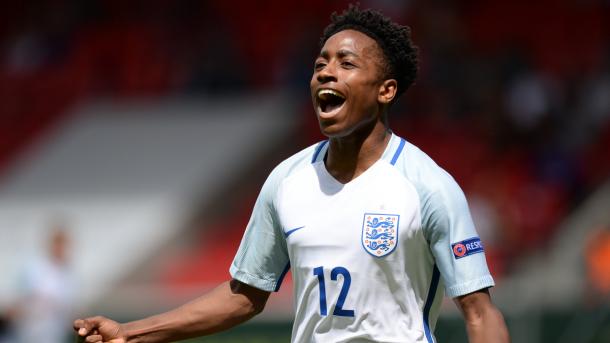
{"x": 467, "y": 247}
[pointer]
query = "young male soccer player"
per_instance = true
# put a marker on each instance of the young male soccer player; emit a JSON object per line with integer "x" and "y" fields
{"x": 373, "y": 230}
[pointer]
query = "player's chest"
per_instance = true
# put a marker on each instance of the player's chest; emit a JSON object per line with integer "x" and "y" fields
{"x": 373, "y": 214}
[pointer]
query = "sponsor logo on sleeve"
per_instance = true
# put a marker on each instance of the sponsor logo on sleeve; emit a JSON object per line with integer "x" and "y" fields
{"x": 467, "y": 247}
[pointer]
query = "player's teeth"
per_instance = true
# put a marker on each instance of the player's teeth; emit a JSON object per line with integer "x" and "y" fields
{"x": 323, "y": 92}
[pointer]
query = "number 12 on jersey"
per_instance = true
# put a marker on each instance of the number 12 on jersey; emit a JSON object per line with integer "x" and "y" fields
{"x": 347, "y": 280}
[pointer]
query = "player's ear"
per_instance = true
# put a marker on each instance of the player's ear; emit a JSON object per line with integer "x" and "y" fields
{"x": 387, "y": 91}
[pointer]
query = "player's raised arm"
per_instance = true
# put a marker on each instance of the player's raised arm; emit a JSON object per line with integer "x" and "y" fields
{"x": 227, "y": 305}
{"x": 484, "y": 322}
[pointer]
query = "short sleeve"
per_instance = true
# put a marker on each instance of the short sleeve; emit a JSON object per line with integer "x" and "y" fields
{"x": 262, "y": 258}
{"x": 454, "y": 242}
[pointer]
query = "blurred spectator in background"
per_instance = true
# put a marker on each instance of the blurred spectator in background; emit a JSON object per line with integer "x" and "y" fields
{"x": 597, "y": 255}
{"x": 44, "y": 310}
{"x": 4, "y": 327}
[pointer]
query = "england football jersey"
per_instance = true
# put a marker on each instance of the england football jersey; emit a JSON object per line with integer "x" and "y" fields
{"x": 370, "y": 259}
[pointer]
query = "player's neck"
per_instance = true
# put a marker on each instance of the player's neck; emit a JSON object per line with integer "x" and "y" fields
{"x": 350, "y": 156}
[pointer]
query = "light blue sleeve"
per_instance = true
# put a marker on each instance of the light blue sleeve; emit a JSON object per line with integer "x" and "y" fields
{"x": 262, "y": 258}
{"x": 447, "y": 222}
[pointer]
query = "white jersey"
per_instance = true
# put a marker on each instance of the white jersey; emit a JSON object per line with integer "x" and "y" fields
{"x": 370, "y": 259}
{"x": 48, "y": 289}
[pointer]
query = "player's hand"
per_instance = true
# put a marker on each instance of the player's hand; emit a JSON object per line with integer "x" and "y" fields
{"x": 99, "y": 330}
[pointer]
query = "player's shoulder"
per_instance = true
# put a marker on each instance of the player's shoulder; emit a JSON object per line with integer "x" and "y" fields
{"x": 439, "y": 193}
{"x": 295, "y": 163}
{"x": 437, "y": 189}
{"x": 298, "y": 160}
{"x": 420, "y": 168}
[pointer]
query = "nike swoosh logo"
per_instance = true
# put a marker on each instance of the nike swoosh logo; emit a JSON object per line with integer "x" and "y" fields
{"x": 291, "y": 231}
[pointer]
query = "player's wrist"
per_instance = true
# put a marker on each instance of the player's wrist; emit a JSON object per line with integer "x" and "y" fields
{"x": 132, "y": 333}
{"x": 149, "y": 330}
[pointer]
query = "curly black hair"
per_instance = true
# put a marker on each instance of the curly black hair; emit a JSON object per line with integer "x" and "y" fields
{"x": 394, "y": 40}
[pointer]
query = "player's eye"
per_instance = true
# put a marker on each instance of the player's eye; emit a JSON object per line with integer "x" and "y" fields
{"x": 319, "y": 65}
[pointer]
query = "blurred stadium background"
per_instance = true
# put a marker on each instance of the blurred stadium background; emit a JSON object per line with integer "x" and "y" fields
{"x": 148, "y": 127}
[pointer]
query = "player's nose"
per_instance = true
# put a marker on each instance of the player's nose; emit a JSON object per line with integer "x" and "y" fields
{"x": 327, "y": 74}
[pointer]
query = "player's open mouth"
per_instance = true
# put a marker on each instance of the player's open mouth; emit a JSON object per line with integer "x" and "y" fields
{"x": 329, "y": 100}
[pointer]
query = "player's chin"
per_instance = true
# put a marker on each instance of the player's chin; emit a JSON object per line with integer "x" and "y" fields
{"x": 335, "y": 125}
{"x": 331, "y": 130}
